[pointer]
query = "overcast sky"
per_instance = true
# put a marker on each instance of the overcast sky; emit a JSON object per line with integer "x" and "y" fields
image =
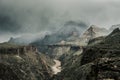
{"x": 31, "y": 16}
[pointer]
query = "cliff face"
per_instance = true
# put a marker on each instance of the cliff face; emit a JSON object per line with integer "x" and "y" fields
{"x": 24, "y": 63}
{"x": 97, "y": 62}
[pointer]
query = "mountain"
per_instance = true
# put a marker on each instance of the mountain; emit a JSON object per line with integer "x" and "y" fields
{"x": 63, "y": 48}
{"x": 93, "y": 32}
{"x": 87, "y": 35}
{"x": 100, "y": 61}
{"x": 23, "y": 63}
{"x": 28, "y": 38}
{"x": 101, "y": 38}
{"x": 112, "y": 40}
{"x": 20, "y": 40}
{"x": 25, "y": 40}
{"x": 69, "y": 32}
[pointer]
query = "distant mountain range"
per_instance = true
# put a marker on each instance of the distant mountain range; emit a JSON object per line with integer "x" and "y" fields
{"x": 71, "y": 33}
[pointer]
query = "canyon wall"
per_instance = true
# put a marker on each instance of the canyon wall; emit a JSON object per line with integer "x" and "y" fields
{"x": 24, "y": 63}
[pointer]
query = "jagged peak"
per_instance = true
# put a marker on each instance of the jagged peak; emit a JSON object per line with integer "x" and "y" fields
{"x": 96, "y": 27}
{"x": 93, "y": 27}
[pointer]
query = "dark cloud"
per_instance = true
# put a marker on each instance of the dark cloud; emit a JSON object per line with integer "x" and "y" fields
{"x": 34, "y": 16}
{"x": 9, "y": 25}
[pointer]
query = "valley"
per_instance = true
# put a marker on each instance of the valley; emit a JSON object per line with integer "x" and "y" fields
{"x": 97, "y": 58}
{"x": 59, "y": 40}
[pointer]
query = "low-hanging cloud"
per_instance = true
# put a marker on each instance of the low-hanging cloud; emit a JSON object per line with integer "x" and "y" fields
{"x": 33, "y": 16}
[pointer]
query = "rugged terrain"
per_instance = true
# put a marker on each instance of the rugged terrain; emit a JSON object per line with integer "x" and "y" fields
{"x": 91, "y": 56}
{"x": 100, "y": 61}
{"x": 63, "y": 42}
{"x": 23, "y": 63}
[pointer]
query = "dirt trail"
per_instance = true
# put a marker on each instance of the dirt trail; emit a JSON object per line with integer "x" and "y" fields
{"x": 57, "y": 67}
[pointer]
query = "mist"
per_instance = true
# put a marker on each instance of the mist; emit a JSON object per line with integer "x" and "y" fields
{"x": 36, "y": 16}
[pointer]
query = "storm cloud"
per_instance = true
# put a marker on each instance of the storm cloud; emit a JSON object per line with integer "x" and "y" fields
{"x": 34, "y": 16}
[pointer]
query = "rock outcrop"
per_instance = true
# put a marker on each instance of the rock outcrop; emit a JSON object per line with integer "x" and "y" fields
{"x": 24, "y": 63}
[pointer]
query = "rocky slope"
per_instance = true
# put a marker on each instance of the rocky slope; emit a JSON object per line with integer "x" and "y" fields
{"x": 23, "y": 63}
{"x": 100, "y": 61}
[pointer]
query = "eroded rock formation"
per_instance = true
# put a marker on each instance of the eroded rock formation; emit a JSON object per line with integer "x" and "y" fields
{"x": 24, "y": 63}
